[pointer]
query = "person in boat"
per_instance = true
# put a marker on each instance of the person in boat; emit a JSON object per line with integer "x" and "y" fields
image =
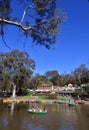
{"x": 75, "y": 101}
{"x": 37, "y": 108}
{"x": 44, "y": 109}
{"x": 33, "y": 109}
{"x": 41, "y": 109}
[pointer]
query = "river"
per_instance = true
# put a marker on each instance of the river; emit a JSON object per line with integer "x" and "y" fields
{"x": 59, "y": 117}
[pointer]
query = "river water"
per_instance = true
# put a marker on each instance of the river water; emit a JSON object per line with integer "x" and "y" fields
{"x": 59, "y": 117}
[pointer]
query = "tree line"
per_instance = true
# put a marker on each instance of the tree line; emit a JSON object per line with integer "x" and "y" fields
{"x": 17, "y": 67}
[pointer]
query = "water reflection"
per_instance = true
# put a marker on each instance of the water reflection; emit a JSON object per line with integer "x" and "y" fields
{"x": 12, "y": 107}
{"x": 59, "y": 117}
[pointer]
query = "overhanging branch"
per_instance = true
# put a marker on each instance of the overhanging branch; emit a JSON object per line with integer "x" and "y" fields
{"x": 25, "y": 11}
{"x": 24, "y": 28}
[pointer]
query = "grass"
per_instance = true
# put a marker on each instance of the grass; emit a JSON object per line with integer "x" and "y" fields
{"x": 41, "y": 96}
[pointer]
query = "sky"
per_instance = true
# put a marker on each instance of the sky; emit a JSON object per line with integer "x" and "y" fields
{"x": 72, "y": 44}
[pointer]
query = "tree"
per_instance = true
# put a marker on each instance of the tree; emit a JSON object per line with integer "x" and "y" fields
{"x": 15, "y": 67}
{"x": 35, "y": 81}
{"x": 53, "y": 76}
{"x": 39, "y": 19}
{"x": 81, "y": 74}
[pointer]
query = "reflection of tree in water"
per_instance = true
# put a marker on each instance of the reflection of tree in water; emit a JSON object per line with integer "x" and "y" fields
{"x": 12, "y": 107}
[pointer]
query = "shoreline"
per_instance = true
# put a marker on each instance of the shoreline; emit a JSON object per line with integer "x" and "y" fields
{"x": 28, "y": 100}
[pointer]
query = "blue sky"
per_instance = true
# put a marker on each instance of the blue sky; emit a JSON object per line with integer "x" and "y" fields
{"x": 72, "y": 44}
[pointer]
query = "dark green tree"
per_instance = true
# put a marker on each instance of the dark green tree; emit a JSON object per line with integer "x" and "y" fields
{"x": 34, "y": 81}
{"x": 80, "y": 74}
{"x": 39, "y": 19}
{"x": 53, "y": 76}
{"x": 16, "y": 67}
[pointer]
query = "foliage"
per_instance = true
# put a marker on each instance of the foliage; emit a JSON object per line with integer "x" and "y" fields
{"x": 51, "y": 96}
{"x": 81, "y": 74}
{"x": 39, "y": 19}
{"x": 46, "y": 82}
{"x": 86, "y": 89}
{"x": 76, "y": 94}
{"x": 36, "y": 80}
{"x": 53, "y": 76}
{"x": 15, "y": 67}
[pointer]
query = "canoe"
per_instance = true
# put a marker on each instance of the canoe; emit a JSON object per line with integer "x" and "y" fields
{"x": 37, "y": 112}
{"x": 10, "y": 100}
{"x": 60, "y": 102}
{"x": 73, "y": 104}
{"x": 81, "y": 102}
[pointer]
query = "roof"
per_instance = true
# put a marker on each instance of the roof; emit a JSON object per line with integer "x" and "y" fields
{"x": 44, "y": 85}
{"x": 55, "y": 87}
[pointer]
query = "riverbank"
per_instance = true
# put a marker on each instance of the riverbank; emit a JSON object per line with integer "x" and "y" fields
{"x": 42, "y": 100}
{"x": 37, "y": 99}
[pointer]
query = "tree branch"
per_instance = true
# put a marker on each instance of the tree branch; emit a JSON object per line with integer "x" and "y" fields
{"x": 24, "y": 28}
{"x": 25, "y": 10}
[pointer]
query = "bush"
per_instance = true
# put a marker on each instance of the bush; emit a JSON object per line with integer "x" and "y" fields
{"x": 52, "y": 96}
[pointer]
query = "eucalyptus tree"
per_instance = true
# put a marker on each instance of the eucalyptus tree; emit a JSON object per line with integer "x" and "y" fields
{"x": 39, "y": 19}
{"x": 65, "y": 79}
{"x": 53, "y": 76}
{"x": 35, "y": 81}
{"x": 81, "y": 74}
{"x": 4, "y": 72}
{"x": 16, "y": 67}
